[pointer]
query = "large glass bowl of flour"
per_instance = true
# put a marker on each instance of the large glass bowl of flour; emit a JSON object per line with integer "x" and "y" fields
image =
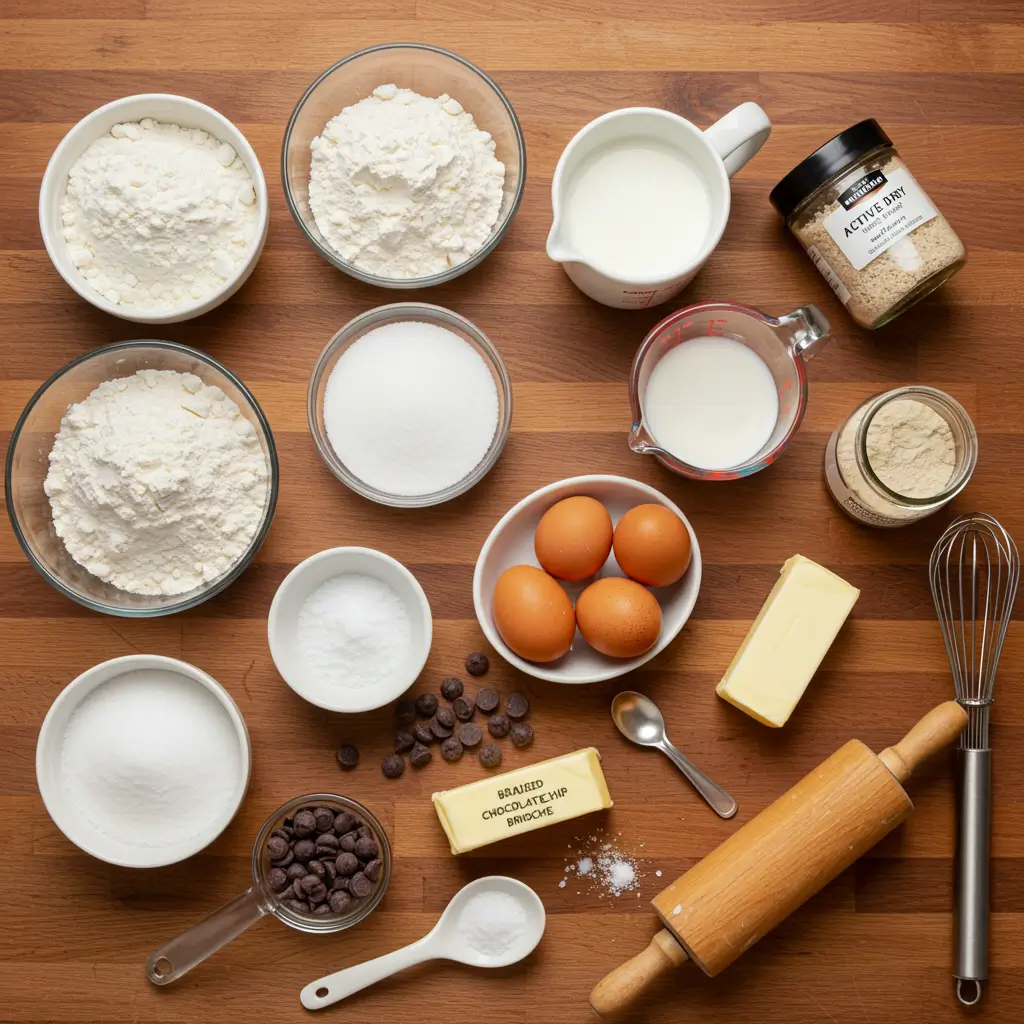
{"x": 28, "y": 463}
{"x": 431, "y": 72}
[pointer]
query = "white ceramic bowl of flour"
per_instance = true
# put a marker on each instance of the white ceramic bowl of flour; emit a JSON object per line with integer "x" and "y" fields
{"x": 320, "y": 675}
{"x": 167, "y": 109}
{"x": 143, "y": 761}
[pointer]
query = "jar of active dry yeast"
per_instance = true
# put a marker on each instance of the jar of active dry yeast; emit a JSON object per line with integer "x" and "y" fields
{"x": 867, "y": 225}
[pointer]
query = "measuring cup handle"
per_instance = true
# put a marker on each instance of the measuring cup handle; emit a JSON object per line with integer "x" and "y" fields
{"x": 808, "y": 331}
{"x": 738, "y": 135}
{"x": 192, "y": 947}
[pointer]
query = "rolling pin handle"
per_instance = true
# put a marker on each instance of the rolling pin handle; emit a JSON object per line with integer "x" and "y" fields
{"x": 617, "y": 990}
{"x": 936, "y": 730}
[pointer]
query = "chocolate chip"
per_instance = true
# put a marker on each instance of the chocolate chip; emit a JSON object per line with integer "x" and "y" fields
{"x": 347, "y": 864}
{"x": 309, "y": 884}
{"x": 403, "y": 741}
{"x": 324, "y": 818}
{"x": 340, "y": 883}
{"x": 439, "y": 729}
{"x": 317, "y": 868}
{"x": 344, "y": 822}
{"x": 296, "y": 871}
{"x": 372, "y": 870}
{"x": 463, "y": 708}
{"x": 516, "y": 705}
{"x": 366, "y": 849}
{"x": 521, "y": 734}
{"x": 322, "y": 911}
{"x": 305, "y": 824}
{"x": 304, "y": 849}
{"x": 446, "y": 717}
{"x": 330, "y": 871}
{"x": 487, "y": 700}
{"x": 498, "y": 726}
{"x": 451, "y": 749}
{"x": 287, "y": 834}
{"x": 277, "y": 880}
{"x": 299, "y": 906}
{"x": 421, "y": 731}
{"x": 348, "y": 757}
{"x": 277, "y": 847}
{"x": 420, "y": 756}
{"x": 348, "y": 842}
{"x": 477, "y": 664}
{"x": 405, "y": 712}
{"x": 327, "y": 843}
{"x": 451, "y": 688}
{"x": 490, "y": 755}
{"x": 392, "y": 766}
{"x": 470, "y": 734}
{"x": 285, "y": 861}
{"x": 297, "y": 891}
{"x": 426, "y": 704}
{"x": 359, "y": 885}
{"x": 365, "y": 832}
{"x": 340, "y": 902}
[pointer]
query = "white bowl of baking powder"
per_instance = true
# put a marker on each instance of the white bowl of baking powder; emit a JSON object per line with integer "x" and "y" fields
{"x": 143, "y": 761}
{"x": 310, "y": 609}
{"x": 168, "y": 109}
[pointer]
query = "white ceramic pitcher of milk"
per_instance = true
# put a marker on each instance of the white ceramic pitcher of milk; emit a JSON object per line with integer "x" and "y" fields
{"x": 641, "y": 197}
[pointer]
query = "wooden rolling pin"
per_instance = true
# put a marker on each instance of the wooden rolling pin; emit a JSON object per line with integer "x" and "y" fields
{"x": 778, "y": 860}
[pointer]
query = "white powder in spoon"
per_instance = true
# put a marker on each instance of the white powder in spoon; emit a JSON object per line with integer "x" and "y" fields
{"x": 492, "y": 922}
{"x": 150, "y": 759}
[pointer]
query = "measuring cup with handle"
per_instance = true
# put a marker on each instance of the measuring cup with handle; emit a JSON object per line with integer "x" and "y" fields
{"x": 784, "y": 344}
{"x": 717, "y": 153}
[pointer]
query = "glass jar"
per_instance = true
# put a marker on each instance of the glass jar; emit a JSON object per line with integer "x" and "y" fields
{"x": 900, "y": 456}
{"x": 867, "y": 225}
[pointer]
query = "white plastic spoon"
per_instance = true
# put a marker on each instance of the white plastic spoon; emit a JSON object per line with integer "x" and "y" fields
{"x": 452, "y": 938}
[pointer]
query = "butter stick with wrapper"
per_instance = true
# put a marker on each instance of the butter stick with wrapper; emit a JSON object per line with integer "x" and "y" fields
{"x": 522, "y": 800}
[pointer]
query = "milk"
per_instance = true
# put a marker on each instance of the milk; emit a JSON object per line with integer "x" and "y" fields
{"x": 639, "y": 208}
{"x": 711, "y": 402}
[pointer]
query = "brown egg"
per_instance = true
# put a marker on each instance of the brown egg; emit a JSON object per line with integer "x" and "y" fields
{"x": 573, "y": 538}
{"x": 619, "y": 617}
{"x": 533, "y": 614}
{"x": 652, "y": 545}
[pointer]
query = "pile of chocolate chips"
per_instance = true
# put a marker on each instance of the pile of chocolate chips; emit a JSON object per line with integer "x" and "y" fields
{"x": 323, "y": 862}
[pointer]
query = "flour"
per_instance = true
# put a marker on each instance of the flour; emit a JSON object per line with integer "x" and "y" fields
{"x": 910, "y": 448}
{"x": 353, "y": 632}
{"x": 157, "y": 216}
{"x": 157, "y": 483}
{"x": 403, "y": 185}
{"x": 151, "y": 758}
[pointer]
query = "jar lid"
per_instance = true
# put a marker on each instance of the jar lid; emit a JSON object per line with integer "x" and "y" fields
{"x": 810, "y": 174}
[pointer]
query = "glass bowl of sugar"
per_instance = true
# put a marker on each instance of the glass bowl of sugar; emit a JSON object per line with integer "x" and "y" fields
{"x": 410, "y": 405}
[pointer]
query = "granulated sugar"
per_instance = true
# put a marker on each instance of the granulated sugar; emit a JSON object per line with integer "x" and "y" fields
{"x": 411, "y": 408}
{"x": 600, "y": 865}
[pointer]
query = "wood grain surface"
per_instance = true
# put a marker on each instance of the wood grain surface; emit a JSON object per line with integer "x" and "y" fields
{"x": 946, "y": 79}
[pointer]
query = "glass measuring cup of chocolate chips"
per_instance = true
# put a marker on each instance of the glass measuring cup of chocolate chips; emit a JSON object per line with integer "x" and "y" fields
{"x": 321, "y": 863}
{"x": 718, "y": 390}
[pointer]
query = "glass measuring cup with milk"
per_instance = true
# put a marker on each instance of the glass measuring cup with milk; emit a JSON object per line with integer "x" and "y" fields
{"x": 718, "y": 389}
{"x": 641, "y": 197}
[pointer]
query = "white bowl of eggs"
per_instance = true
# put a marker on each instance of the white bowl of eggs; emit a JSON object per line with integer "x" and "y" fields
{"x": 587, "y": 579}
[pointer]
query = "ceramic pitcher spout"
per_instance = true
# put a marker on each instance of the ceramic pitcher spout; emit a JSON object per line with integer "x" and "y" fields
{"x": 557, "y": 248}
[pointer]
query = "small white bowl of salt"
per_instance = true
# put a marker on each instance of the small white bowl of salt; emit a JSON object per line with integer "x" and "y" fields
{"x": 350, "y": 629}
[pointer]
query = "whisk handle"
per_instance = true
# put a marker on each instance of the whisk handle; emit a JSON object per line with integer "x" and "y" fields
{"x": 936, "y": 730}
{"x": 971, "y": 908}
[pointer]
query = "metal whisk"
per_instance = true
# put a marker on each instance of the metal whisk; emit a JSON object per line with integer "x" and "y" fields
{"x": 974, "y": 571}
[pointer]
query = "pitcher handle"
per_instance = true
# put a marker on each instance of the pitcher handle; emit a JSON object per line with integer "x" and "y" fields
{"x": 807, "y": 331}
{"x": 738, "y": 135}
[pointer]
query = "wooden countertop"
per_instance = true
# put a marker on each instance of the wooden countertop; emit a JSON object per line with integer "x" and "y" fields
{"x": 946, "y": 79}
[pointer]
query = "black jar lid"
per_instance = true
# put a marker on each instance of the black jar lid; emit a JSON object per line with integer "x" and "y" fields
{"x": 810, "y": 174}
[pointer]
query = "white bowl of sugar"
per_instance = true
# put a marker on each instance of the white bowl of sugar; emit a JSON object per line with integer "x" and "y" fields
{"x": 143, "y": 761}
{"x": 350, "y": 629}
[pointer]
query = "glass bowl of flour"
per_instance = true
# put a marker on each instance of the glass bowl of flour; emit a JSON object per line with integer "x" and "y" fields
{"x": 404, "y": 165}
{"x": 141, "y": 479}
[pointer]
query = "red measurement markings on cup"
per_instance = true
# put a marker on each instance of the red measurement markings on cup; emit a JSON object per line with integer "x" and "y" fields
{"x": 716, "y": 327}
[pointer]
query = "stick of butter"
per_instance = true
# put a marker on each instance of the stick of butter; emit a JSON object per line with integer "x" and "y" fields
{"x": 784, "y": 647}
{"x": 522, "y": 800}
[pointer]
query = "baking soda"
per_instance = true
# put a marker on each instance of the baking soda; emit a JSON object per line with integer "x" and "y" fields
{"x": 411, "y": 408}
{"x": 354, "y": 631}
{"x": 151, "y": 758}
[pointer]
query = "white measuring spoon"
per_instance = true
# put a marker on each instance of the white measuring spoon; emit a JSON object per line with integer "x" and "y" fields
{"x": 445, "y": 941}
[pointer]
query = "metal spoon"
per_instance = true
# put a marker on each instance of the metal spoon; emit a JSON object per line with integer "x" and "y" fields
{"x": 638, "y": 719}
